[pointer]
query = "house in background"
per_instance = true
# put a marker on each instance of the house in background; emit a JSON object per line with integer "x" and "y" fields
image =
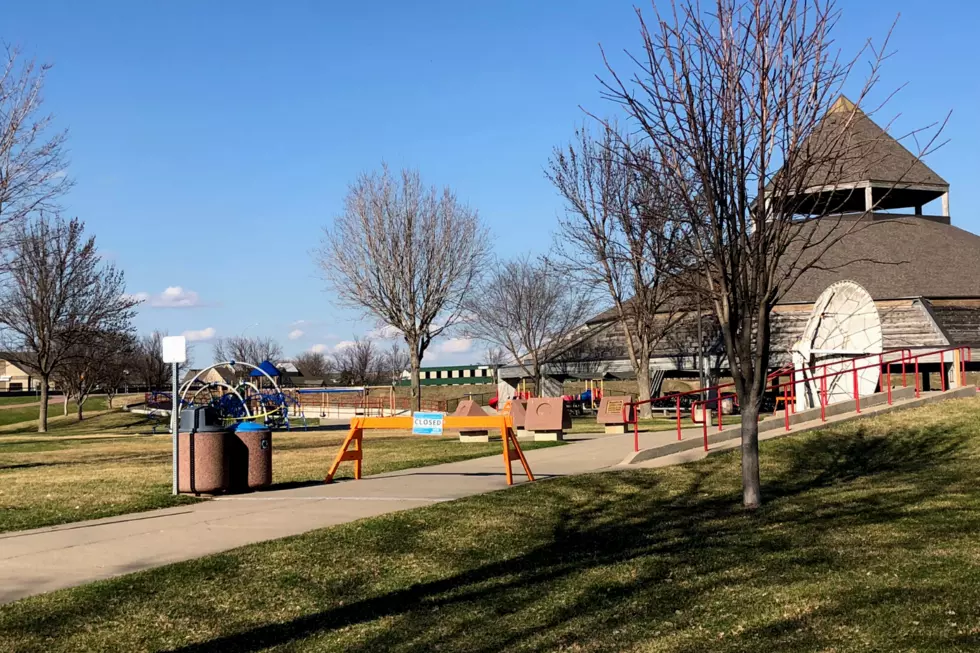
{"x": 14, "y": 378}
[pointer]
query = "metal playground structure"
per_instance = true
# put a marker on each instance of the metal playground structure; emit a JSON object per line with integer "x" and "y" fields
{"x": 260, "y": 400}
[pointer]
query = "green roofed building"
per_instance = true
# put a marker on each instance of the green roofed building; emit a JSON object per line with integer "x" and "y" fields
{"x": 452, "y": 375}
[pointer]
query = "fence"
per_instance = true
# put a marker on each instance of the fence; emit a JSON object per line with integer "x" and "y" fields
{"x": 834, "y": 370}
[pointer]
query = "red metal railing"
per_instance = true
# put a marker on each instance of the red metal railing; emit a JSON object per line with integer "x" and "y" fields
{"x": 631, "y": 415}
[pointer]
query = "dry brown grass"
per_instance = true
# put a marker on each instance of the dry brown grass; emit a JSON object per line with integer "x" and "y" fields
{"x": 107, "y": 465}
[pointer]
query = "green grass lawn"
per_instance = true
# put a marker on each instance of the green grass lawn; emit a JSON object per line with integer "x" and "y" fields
{"x": 26, "y": 417}
{"x": 84, "y": 470}
{"x": 13, "y": 401}
{"x": 867, "y": 542}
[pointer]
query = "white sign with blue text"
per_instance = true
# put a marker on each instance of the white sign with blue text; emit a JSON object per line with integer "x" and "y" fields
{"x": 427, "y": 423}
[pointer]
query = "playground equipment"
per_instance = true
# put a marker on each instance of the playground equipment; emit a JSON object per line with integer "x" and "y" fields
{"x": 346, "y": 402}
{"x": 245, "y": 401}
{"x": 511, "y": 447}
{"x": 594, "y": 390}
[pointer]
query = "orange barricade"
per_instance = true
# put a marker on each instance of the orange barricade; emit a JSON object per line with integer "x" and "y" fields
{"x": 353, "y": 447}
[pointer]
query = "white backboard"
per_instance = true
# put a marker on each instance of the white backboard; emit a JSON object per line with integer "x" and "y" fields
{"x": 174, "y": 349}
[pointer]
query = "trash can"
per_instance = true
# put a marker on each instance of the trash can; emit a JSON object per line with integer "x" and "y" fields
{"x": 202, "y": 443}
{"x": 251, "y": 457}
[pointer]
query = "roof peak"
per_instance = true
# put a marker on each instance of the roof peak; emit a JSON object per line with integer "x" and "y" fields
{"x": 841, "y": 104}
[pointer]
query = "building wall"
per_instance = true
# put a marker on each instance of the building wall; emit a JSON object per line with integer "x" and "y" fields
{"x": 904, "y": 323}
{"x": 13, "y": 379}
{"x": 453, "y": 375}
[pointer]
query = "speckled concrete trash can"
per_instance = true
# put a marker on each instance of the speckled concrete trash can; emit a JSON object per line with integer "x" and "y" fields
{"x": 202, "y": 452}
{"x": 201, "y": 462}
{"x": 251, "y": 457}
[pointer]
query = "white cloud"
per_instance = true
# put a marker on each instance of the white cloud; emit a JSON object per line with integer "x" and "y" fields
{"x": 138, "y": 296}
{"x": 386, "y": 332}
{"x": 171, "y": 297}
{"x": 455, "y": 346}
{"x": 299, "y": 323}
{"x": 175, "y": 297}
{"x": 199, "y": 334}
{"x": 343, "y": 344}
{"x": 319, "y": 348}
{"x": 295, "y": 334}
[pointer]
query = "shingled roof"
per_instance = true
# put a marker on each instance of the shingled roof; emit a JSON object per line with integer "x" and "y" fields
{"x": 896, "y": 257}
{"x": 865, "y": 151}
{"x": 847, "y": 152}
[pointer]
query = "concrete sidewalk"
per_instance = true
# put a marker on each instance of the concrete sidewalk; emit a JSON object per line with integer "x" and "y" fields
{"x": 42, "y": 560}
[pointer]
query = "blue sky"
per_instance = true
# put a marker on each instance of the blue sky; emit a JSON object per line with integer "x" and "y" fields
{"x": 212, "y": 141}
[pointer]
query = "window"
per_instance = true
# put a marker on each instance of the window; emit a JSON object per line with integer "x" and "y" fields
{"x": 466, "y": 374}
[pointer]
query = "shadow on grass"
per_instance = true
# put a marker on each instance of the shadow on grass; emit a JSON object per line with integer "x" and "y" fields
{"x": 701, "y": 530}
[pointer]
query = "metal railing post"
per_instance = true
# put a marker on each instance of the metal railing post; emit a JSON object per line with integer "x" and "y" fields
{"x": 786, "y": 406}
{"x": 718, "y": 405}
{"x": 889, "y": 374}
{"x": 636, "y": 429}
{"x": 792, "y": 394}
{"x": 678, "y": 418}
{"x": 942, "y": 371}
{"x": 857, "y": 395}
{"x": 704, "y": 423}
{"x": 823, "y": 398}
{"x": 918, "y": 381}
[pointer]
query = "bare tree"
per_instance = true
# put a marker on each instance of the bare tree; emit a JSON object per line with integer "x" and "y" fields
{"x": 149, "y": 368}
{"x": 739, "y": 106}
{"x": 313, "y": 364}
{"x": 620, "y": 234}
{"x": 405, "y": 254}
{"x": 118, "y": 353}
{"x": 529, "y": 309}
{"x": 248, "y": 350}
{"x": 358, "y": 362}
{"x": 76, "y": 376}
{"x": 394, "y": 361}
{"x": 32, "y": 155}
{"x": 59, "y": 294}
{"x": 496, "y": 356}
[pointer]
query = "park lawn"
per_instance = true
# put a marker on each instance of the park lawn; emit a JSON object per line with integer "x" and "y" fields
{"x": 14, "y": 401}
{"x": 25, "y": 417}
{"x": 866, "y": 542}
{"x": 90, "y": 469}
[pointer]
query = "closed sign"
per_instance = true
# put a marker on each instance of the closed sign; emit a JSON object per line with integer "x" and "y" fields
{"x": 427, "y": 423}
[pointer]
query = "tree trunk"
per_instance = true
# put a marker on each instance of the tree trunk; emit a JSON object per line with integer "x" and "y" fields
{"x": 751, "y": 484}
{"x": 109, "y": 401}
{"x": 42, "y": 415}
{"x": 79, "y": 404}
{"x": 643, "y": 386}
{"x": 64, "y": 405}
{"x": 416, "y": 363}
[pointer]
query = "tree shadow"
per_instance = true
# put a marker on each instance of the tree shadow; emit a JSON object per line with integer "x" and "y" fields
{"x": 697, "y": 528}
{"x": 620, "y": 557}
